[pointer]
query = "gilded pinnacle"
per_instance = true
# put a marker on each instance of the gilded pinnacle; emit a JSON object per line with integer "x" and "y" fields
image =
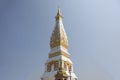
{"x": 58, "y": 16}
{"x": 59, "y": 37}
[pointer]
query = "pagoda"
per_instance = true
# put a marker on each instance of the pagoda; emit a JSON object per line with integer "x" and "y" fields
{"x": 59, "y": 66}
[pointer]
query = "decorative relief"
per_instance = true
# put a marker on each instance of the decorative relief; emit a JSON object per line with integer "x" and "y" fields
{"x": 59, "y": 53}
{"x": 65, "y": 66}
{"x": 55, "y": 64}
{"x": 59, "y": 36}
{"x": 57, "y": 40}
{"x": 48, "y": 67}
{"x": 61, "y": 75}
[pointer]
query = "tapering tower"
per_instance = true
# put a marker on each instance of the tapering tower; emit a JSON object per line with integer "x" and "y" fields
{"x": 59, "y": 66}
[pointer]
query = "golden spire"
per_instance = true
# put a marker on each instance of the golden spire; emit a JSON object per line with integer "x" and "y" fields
{"x": 58, "y": 16}
{"x": 59, "y": 37}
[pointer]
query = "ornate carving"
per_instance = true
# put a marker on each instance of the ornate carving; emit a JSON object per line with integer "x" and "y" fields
{"x": 48, "y": 67}
{"x": 56, "y": 65}
{"x": 65, "y": 66}
{"x": 61, "y": 75}
{"x": 59, "y": 53}
{"x": 59, "y": 36}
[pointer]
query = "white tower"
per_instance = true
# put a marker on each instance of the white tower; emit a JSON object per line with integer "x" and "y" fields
{"x": 59, "y": 66}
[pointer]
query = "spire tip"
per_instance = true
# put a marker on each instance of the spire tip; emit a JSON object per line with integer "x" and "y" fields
{"x": 59, "y": 13}
{"x": 58, "y": 16}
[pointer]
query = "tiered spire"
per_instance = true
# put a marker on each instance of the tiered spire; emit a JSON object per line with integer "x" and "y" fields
{"x": 59, "y": 37}
{"x": 58, "y": 65}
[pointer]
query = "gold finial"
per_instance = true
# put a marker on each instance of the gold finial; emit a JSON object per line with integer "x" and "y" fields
{"x": 58, "y": 16}
{"x": 59, "y": 13}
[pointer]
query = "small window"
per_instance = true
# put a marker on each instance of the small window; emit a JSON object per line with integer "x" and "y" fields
{"x": 65, "y": 66}
{"x": 48, "y": 67}
{"x": 56, "y": 65}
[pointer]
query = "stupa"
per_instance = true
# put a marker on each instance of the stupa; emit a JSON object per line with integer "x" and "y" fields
{"x": 59, "y": 66}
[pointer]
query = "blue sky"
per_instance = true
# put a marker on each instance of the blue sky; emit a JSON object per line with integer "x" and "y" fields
{"x": 92, "y": 27}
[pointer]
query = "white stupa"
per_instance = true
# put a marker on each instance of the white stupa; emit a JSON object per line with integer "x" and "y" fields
{"x": 59, "y": 66}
